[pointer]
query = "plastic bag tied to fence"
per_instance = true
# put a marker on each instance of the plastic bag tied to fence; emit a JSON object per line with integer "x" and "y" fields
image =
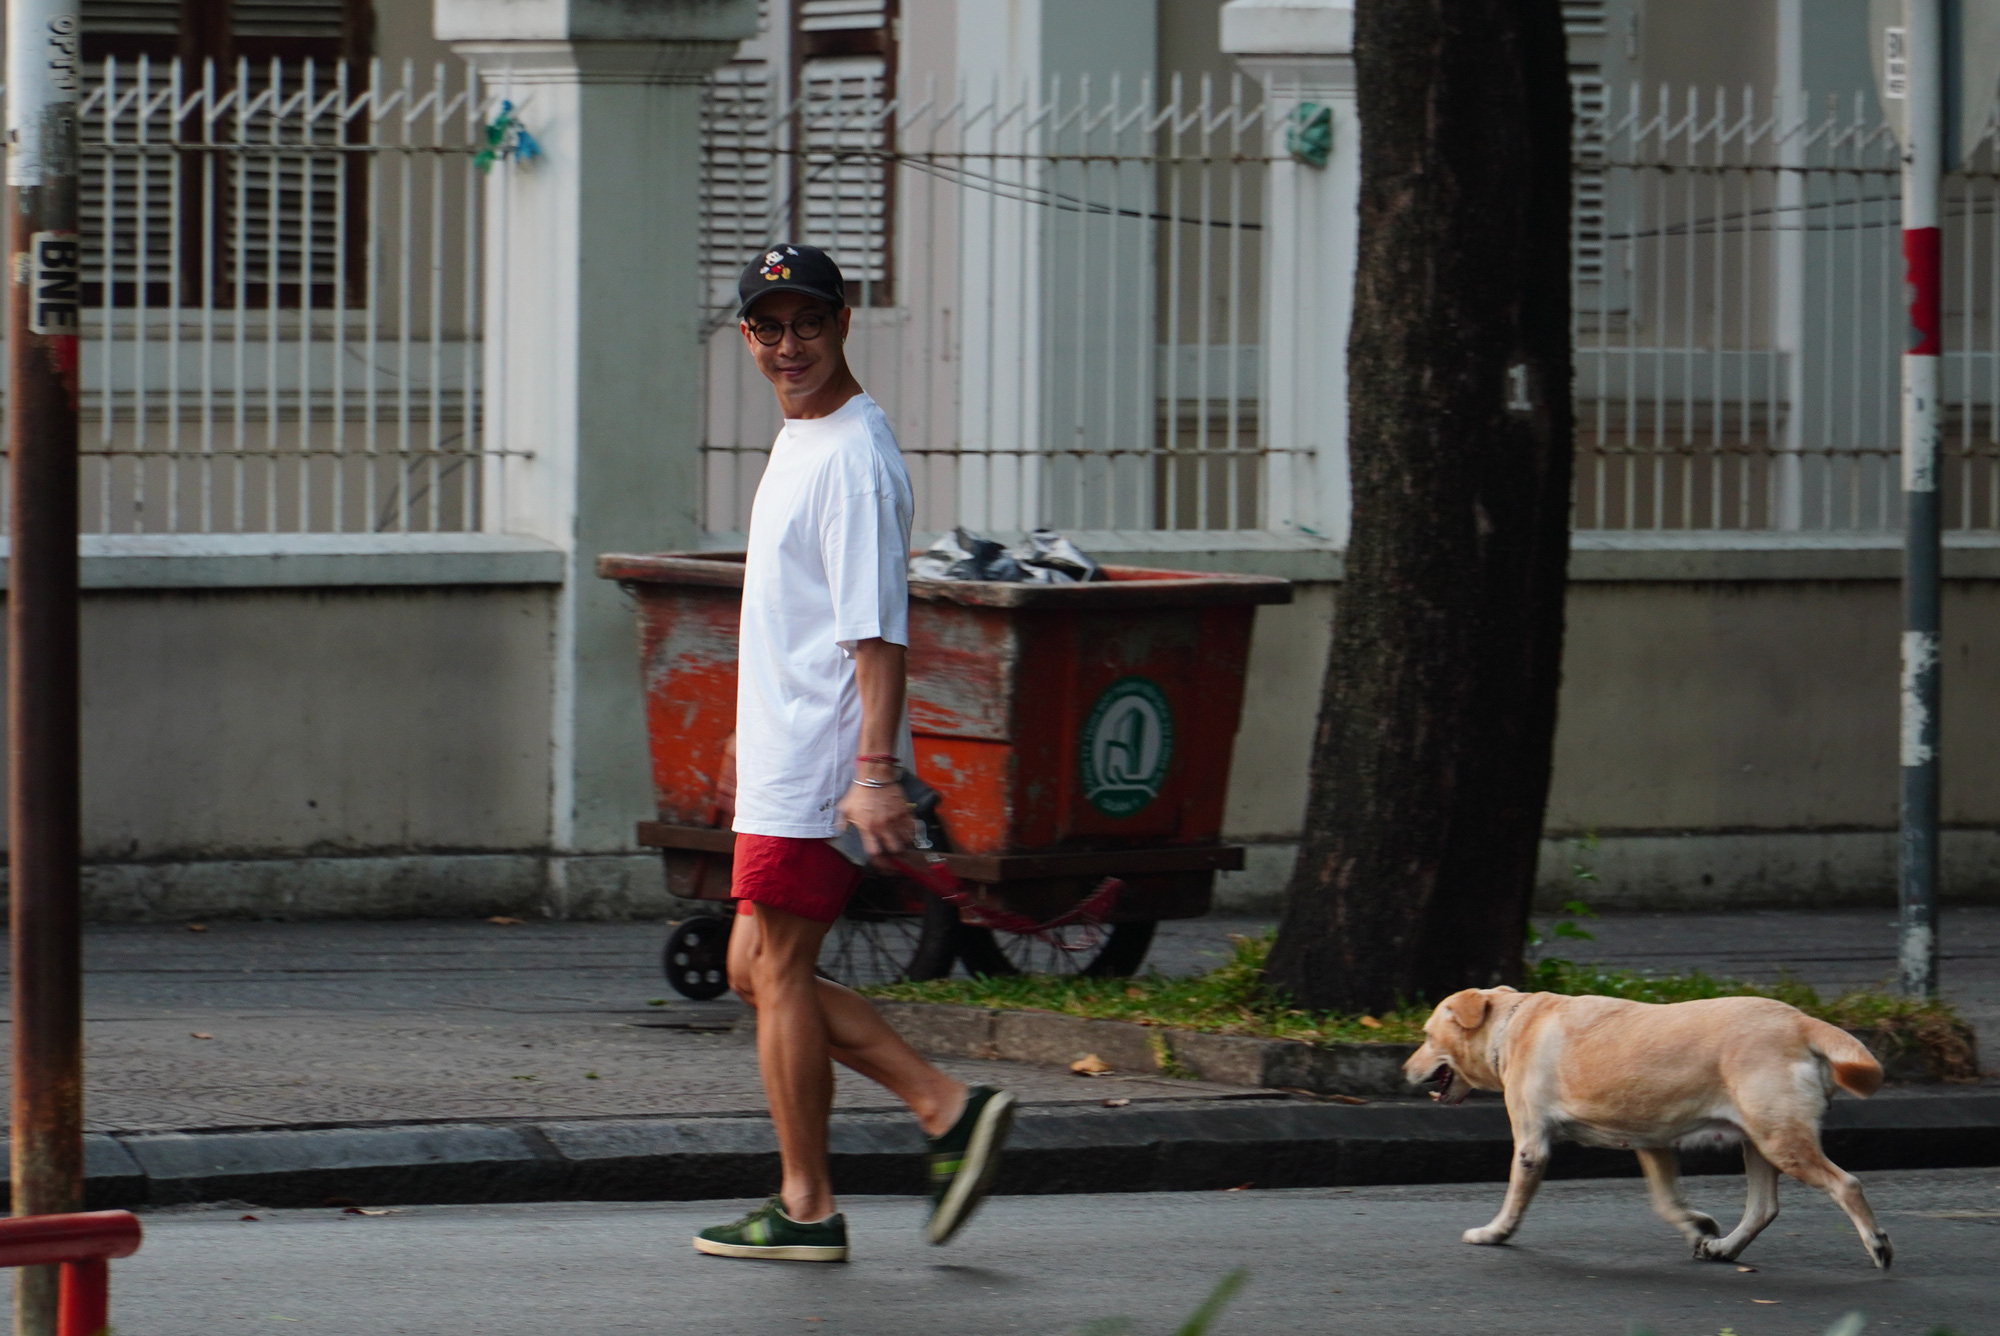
{"x": 1043, "y": 557}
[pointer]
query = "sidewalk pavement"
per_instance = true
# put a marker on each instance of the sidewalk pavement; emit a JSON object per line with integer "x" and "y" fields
{"x": 378, "y": 1031}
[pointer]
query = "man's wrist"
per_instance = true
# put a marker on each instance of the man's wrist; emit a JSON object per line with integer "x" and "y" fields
{"x": 877, "y": 771}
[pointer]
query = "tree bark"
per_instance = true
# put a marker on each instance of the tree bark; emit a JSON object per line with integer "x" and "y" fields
{"x": 1430, "y": 767}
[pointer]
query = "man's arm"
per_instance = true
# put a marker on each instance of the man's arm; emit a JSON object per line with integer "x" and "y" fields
{"x": 882, "y": 815}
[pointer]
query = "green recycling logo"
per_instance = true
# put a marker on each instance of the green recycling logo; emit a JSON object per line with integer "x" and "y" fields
{"x": 1128, "y": 742}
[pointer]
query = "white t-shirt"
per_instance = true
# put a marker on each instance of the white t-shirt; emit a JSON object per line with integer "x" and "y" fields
{"x": 828, "y": 566}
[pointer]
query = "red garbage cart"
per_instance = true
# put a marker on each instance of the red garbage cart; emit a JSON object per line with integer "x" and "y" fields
{"x": 1075, "y": 732}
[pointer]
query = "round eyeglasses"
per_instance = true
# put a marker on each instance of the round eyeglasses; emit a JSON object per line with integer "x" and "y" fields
{"x": 770, "y": 332}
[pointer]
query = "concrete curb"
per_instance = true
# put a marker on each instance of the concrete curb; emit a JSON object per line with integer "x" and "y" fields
{"x": 1145, "y": 1147}
{"x": 1050, "y": 1039}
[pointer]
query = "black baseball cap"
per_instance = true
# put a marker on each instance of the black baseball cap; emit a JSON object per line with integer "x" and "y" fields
{"x": 789, "y": 266}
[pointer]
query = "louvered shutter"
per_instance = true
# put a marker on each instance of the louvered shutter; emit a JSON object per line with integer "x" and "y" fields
{"x": 739, "y": 171}
{"x": 1602, "y": 39}
{"x": 125, "y": 30}
{"x": 843, "y": 187}
{"x": 288, "y": 218}
{"x": 283, "y": 210}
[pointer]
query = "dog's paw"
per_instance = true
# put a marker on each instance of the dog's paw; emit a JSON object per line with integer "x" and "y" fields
{"x": 1710, "y": 1249}
{"x": 1705, "y": 1223}
{"x": 1485, "y": 1234}
{"x": 1880, "y": 1250}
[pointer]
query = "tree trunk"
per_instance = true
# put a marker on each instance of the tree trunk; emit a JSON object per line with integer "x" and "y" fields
{"x": 1430, "y": 767}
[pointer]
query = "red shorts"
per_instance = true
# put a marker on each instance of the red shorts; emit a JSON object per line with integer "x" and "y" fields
{"x": 804, "y": 877}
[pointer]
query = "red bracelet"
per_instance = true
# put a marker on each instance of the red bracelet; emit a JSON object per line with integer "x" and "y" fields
{"x": 876, "y": 760}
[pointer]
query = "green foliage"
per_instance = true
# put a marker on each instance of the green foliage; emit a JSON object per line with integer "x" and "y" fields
{"x": 1583, "y": 875}
{"x": 1861, "y": 1009}
{"x": 1229, "y": 999}
{"x": 1233, "y": 999}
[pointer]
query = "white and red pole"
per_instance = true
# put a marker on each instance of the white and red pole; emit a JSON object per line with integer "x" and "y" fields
{"x": 1923, "y": 172}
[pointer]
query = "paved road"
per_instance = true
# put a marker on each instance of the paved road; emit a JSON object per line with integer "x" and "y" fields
{"x": 1591, "y": 1261}
{"x": 333, "y": 1022}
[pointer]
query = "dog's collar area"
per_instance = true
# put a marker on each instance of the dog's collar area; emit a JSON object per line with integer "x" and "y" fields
{"x": 1496, "y": 1046}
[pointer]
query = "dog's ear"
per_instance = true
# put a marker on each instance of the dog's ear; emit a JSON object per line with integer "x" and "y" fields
{"x": 1468, "y": 1008}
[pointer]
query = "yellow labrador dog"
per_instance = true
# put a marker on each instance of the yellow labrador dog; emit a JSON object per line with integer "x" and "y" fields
{"x": 1607, "y": 1072}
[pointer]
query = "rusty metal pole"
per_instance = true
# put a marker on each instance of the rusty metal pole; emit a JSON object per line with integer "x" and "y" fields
{"x": 44, "y": 43}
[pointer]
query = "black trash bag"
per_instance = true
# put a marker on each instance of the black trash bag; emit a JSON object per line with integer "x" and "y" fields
{"x": 1045, "y": 557}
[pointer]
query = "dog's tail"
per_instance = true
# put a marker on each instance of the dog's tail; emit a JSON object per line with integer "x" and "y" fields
{"x": 1854, "y": 1067}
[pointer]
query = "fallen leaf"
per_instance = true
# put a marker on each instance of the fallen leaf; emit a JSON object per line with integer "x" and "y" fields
{"x": 505, "y": 921}
{"x": 199, "y": 1034}
{"x": 656, "y": 1001}
{"x": 1371, "y": 1023}
{"x": 1240, "y": 1187}
{"x": 1347, "y": 1099}
{"x": 590, "y": 1076}
{"x": 1764, "y": 1301}
{"x": 1746, "y": 1268}
{"x": 1116, "y": 1103}
{"x": 197, "y": 927}
{"x": 1089, "y": 1065}
{"x": 367, "y": 1210}
{"x": 1135, "y": 992}
{"x": 246, "y": 1217}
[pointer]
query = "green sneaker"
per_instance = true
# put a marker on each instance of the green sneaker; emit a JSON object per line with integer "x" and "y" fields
{"x": 769, "y": 1233}
{"x": 965, "y": 1160}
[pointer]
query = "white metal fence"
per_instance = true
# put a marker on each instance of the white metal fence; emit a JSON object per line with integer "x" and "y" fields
{"x": 282, "y": 299}
{"x": 1738, "y": 295}
{"x": 1057, "y": 291}
{"x": 1061, "y": 297}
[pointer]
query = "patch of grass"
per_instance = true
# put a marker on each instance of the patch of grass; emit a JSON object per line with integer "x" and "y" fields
{"x": 1233, "y": 999}
{"x": 1229, "y": 999}
{"x": 1922, "y": 1023}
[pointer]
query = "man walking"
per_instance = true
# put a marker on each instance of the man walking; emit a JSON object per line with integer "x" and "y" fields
{"x": 822, "y": 739}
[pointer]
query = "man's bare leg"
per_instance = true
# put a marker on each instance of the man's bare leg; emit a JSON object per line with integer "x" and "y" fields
{"x": 861, "y": 1041}
{"x": 802, "y": 1022}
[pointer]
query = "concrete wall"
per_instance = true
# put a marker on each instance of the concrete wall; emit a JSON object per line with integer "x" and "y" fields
{"x": 313, "y": 743}
{"x": 1721, "y": 740}
{"x": 314, "y": 751}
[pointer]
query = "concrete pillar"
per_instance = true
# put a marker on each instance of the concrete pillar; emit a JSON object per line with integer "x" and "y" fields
{"x": 1303, "y": 52}
{"x": 592, "y": 362}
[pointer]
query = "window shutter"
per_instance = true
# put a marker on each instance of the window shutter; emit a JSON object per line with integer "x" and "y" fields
{"x": 126, "y": 29}
{"x": 287, "y": 217}
{"x": 739, "y": 173}
{"x": 1603, "y": 38}
{"x": 843, "y": 189}
{"x": 321, "y": 31}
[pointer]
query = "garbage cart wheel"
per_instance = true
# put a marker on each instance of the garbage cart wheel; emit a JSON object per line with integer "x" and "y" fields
{"x": 892, "y": 932}
{"x": 696, "y": 957}
{"x": 1106, "y": 950}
